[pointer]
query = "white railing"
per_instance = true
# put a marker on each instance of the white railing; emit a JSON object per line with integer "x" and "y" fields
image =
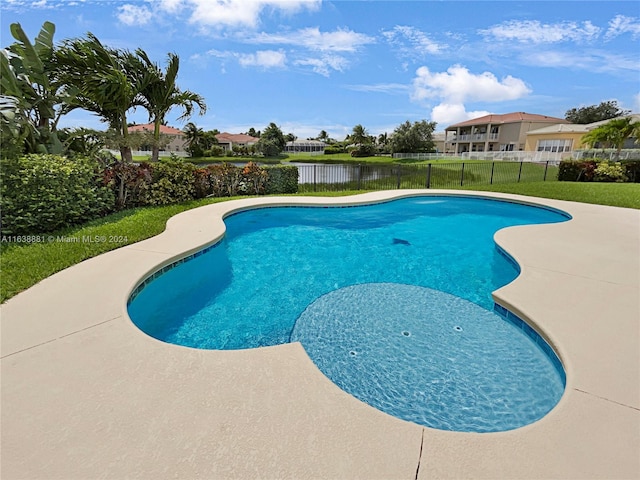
{"x": 516, "y": 156}
{"x": 142, "y": 153}
{"x": 426, "y": 156}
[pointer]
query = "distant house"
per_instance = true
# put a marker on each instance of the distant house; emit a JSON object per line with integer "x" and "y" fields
{"x": 495, "y": 133}
{"x": 439, "y": 141}
{"x": 229, "y": 141}
{"x": 176, "y": 137}
{"x": 305, "y": 146}
{"x": 556, "y": 138}
{"x": 567, "y": 137}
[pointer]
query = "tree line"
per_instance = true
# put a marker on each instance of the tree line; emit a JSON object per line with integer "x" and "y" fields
{"x": 41, "y": 82}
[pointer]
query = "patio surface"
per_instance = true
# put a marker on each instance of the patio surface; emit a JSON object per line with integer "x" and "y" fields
{"x": 86, "y": 395}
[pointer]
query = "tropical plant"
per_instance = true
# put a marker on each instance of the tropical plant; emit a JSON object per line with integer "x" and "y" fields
{"x": 161, "y": 93}
{"x": 194, "y": 136}
{"x": 359, "y": 135}
{"x": 612, "y": 134}
{"x": 28, "y": 97}
{"x": 102, "y": 80}
{"x": 85, "y": 142}
{"x": 105, "y": 81}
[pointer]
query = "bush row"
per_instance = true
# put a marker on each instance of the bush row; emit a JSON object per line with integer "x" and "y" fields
{"x": 42, "y": 193}
{"x": 599, "y": 170}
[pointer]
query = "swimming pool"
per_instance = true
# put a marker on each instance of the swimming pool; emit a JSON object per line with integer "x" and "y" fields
{"x": 277, "y": 268}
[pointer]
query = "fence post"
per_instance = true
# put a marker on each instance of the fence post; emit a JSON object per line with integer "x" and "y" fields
{"x": 546, "y": 167}
{"x": 462, "y": 175}
{"x": 314, "y": 178}
{"x": 359, "y": 175}
{"x": 520, "y": 172}
{"x": 493, "y": 165}
{"x": 429, "y": 175}
{"x": 399, "y": 176}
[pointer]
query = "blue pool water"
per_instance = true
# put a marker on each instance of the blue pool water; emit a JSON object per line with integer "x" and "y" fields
{"x": 392, "y": 302}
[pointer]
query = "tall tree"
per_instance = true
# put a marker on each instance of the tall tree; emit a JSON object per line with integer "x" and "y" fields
{"x": 194, "y": 139}
{"x": 595, "y": 113}
{"x": 272, "y": 141}
{"x": 161, "y": 94}
{"x": 413, "y": 138}
{"x": 359, "y": 135}
{"x": 29, "y": 98}
{"x": 104, "y": 81}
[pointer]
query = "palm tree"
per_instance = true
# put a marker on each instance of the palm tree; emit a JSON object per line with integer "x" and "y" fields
{"x": 102, "y": 80}
{"x": 194, "y": 136}
{"x": 613, "y": 133}
{"x": 359, "y": 135}
{"x": 161, "y": 94}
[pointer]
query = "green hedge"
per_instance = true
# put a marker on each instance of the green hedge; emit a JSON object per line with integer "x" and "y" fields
{"x": 172, "y": 181}
{"x": 42, "y": 193}
{"x": 282, "y": 179}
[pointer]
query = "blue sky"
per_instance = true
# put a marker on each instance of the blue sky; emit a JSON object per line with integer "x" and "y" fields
{"x": 312, "y": 65}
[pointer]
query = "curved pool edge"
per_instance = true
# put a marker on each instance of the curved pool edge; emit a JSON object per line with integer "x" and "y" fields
{"x": 87, "y": 364}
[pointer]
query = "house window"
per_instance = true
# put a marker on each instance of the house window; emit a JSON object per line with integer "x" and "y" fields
{"x": 559, "y": 145}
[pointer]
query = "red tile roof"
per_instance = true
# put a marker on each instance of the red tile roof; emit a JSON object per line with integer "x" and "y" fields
{"x": 226, "y": 137}
{"x": 514, "y": 117}
{"x": 149, "y": 128}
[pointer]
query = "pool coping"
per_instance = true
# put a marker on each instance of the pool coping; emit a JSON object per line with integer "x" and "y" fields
{"x": 85, "y": 394}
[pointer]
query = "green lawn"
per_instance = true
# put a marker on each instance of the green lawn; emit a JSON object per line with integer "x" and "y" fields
{"x": 615, "y": 194}
{"x": 23, "y": 265}
{"x": 305, "y": 158}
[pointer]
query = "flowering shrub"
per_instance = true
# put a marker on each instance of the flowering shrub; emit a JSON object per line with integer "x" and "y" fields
{"x": 576, "y": 170}
{"x": 610, "y": 172}
{"x": 254, "y": 179}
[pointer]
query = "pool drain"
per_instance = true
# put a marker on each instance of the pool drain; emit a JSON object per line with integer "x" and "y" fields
{"x": 353, "y": 353}
{"x": 406, "y": 334}
{"x": 457, "y": 328}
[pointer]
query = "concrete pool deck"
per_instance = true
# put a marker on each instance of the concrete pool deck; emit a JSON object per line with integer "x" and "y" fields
{"x": 86, "y": 395}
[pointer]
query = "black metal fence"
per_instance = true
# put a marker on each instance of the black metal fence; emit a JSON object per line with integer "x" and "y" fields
{"x": 322, "y": 177}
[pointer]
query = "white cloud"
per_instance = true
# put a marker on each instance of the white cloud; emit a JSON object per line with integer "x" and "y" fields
{"x": 453, "y": 88}
{"x": 214, "y": 13}
{"x": 171, "y": 6}
{"x": 592, "y": 60}
{"x": 458, "y": 85}
{"x": 325, "y": 64}
{"x": 133, "y": 15}
{"x": 446, "y": 114}
{"x": 412, "y": 42}
{"x": 621, "y": 24}
{"x": 390, "y": 88}
{"x": 236, "y": 13}
{"x": 263, "y": 58}
{"x": 340, "y": 40}
{"x": 533, "y": 31}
